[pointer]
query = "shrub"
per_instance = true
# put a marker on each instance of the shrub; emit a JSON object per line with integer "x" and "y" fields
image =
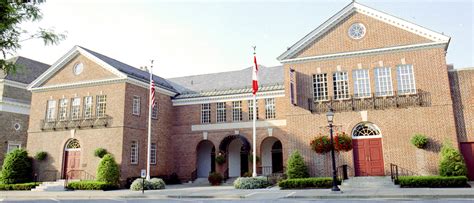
{"x": 452, "y": 162}
{"x": 19, "y": 186}
{"x": 343, "y": 142}
{"x": 157, "y": 184}
{"x": 296, "y": 167}
{"x": 321, "y": 144}
{"x": 100, "y": 152}
{"x": 91, "y": 185}
{"x": 247, "y": 174}
{"x": 108, "y": 170}
{"x": 419, "y": 140}
{"x": 16, "y": 167}
{"x": 137, "y": 184}
{"x": 215, "y": 178}
{"x": 40, "y": 156}
{"x": 301, "y": 183}
{"x": 251, "y": 183}
{"x": 220, "y": 159}
{"x": 432, "y": 181}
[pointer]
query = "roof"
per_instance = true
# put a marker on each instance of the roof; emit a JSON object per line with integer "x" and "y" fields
{"x": 27, "y": 71}
{"x": 232, "y": 82}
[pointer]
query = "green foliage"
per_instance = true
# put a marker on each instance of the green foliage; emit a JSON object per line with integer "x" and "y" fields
{"x": 157, "y": 184}
{"x": 220, "y": 159}
{"x": 432, "y": 181}
{"x": 302, "y": 183}
{"x": 296, "y": 167}
{"x": 452, "y": 162}
{"x": 153, "y": 184}
{"x": 91, "y": 185}
{"x": 100, "y": 152}
{"x": 419, "y": 140}
{"x": 251, "y": 183}
{"x": 108, "y": 170}
{"x": 40, "y": 156}
{"x": 19, "y": 186}
{"x": 16, "y": 168}
{"x": 215, "y": 178}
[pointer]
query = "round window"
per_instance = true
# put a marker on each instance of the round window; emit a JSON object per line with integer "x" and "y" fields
{"x": 17, "y": 126}
{"x": 357, "y": 31}
{"x": 78, "y": 68}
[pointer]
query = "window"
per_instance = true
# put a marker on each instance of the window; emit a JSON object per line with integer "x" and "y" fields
{"x": 101, "y": 105}
{"x": 51, "y": 110}
{"x": 154, "y": 112}
{"x": 406, "y": 79}
{"x": 383, "y": 82}
{"x": 153, "y": 153}
{"x": 270, "y": 108}
{"x": 134, "y": 152}
{"x": 87, "y": 107}
{"x": 13, "y": 146}
{"x": 75, "y": 108}
{"x": 320, "y": 87}
{"x": 250, "y": 102}
{"x": 361, "y": 83}
{"x": 237, "y": 111}
{"x": 205, "y": 113}
{"x": 341, "y": 85}
{"x": 63, "y": 109}
{"x": 221, "y": 112}
{"x": 136, "y": 105}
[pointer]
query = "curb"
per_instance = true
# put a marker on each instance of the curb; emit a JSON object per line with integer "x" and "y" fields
{"x": 455, "y": 196}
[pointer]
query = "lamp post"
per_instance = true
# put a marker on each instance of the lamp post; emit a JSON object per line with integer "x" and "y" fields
{"x": 330, "y": 117}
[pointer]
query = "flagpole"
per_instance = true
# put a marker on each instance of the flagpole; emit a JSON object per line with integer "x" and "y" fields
{"x": 254, "y": 141}
{"x": 148, "y": 156}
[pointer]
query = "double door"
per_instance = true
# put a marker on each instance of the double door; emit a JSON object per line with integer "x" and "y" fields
{"x": 368, "y": 157}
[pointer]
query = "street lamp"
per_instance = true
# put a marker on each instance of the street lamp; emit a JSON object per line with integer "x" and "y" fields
{"x": 330, "y": 117}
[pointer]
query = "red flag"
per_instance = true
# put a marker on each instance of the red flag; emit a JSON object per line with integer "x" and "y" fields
{"x": 255, "y": 75}
{"x": 152, "y": 92}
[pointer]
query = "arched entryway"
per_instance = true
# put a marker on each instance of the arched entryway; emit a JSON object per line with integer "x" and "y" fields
{"x": 368, "y": 154}
{"x": 72, "y": 159}
{"x": 206, "y": 154}
{"x": 237, "y": 148}
{"x": 271, "y": 156}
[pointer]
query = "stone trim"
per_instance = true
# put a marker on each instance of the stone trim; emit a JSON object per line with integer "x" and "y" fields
{"x": 14, "y": 83}
{"x": 14, "y": 107}
{"x": 225, "y": 98}
{"x": 238, "y": 125}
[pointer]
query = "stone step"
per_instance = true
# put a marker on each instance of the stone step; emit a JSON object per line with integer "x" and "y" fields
{"x": 368, "y": 182}
{"x": 50, "y": 186}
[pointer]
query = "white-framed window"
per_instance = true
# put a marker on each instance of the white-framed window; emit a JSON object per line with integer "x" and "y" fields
{"x": 87, "y": 107}
{"x": 153, "y": 153}
{"x": 63, "y": 109}
{"x": 361, "y": 83}
{"x": 136, "y": 105}
{"x": 101, "y": 105}
{"x": 237, "y": 111}
{"x": 320, "y": 87}
{"x": 134, "y": 152}
{"x": 383, "y": 82}
{"x": 75, "y": 108}
{"x": 250, "y": 102}
{"x": 406, "y": 79}
{"x": 205, "y": 113}
{"x": 154, "y": 111}
{"x": 13, "y": 146}
{"x": 51, "y": 110}
{"x": 221, "y": 112}
{"x": 270, "y": 108}
{"x": 341, "y": 85}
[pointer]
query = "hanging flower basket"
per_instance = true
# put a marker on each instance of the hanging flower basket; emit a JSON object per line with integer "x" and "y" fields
{"x": 321, "y": 144}
{"x": 220, "y": 159}
{"x": 342, "y": 142}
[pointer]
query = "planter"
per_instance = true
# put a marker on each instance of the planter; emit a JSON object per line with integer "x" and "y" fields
{"x": 215, "y": 179}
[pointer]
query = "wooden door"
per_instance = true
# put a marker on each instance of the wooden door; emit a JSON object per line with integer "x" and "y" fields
{"x": 368, "y": 157}
{"x": 467, "y": 150}
{"x": 72, "y": 162}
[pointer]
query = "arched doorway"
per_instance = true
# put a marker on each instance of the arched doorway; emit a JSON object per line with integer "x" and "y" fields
{"x": 237, "y": 148}
{"x": 368, "y": 155}
{"x": 72, "y": 159}
{"x": 206, "y": 154}
{"x": 271, "y": 156}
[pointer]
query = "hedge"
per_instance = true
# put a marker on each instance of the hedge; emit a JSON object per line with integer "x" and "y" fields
{"x": 19, "y": 186}
{"x": 433, "y": 181}
{"x": 251, "y": 182}
{"x": 301, "y": 183}
{"x": 91, "y": 185}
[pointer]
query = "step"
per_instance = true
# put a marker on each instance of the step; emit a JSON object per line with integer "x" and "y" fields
{"x": 50, "y": 186}
{"x": 369, "y": 182}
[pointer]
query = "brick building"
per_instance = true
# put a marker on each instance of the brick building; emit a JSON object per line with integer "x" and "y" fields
{"x": 386, "y": 79}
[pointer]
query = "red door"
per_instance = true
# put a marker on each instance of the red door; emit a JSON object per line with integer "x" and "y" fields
{"x": 368, "y": 157}
{"x": 467, "y": 150}
{"x": 72, "y": 164}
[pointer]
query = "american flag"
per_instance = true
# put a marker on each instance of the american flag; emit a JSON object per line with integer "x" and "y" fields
{"x": 152, "y": 92}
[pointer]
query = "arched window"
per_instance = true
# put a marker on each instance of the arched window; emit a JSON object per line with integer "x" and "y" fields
{"x": 365, "y": 130}
{"x": 73, "y": 144}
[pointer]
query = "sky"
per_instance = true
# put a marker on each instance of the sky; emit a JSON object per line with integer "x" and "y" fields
{"x": 208, "y": 36}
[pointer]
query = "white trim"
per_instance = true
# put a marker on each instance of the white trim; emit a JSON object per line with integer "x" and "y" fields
{"x": 365, "y": 52}
{"x": 14, "y": 107}
{"x": 12, "y": 83}
{"x": 225, "y": 98}
{"x": 147, "y": 85}
{"x": 366, "y": 137}
{"x": 74, "y": 149}
{"x": 17, "y": 143}
{"x": 461, "y": 69}
{"x": 238, "y": 125}
{"x": 78, "y": 84}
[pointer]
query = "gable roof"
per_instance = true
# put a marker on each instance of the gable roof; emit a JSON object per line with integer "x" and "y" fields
{"x": 357, "y": 7}
{"x": 27, "y": 71}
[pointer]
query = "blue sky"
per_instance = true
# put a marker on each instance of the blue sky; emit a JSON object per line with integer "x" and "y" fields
{"x": 197, "y": 37}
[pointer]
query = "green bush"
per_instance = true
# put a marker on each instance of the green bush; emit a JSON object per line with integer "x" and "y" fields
{"x": 296, "y": 167}
{"x": 220, "y": 159}
{"x": 100, "y": 152}
{"x": 419, "y": 140}
{"x": 251, "y": 182}
{"x": 16, "y": 168}
{"x": 19, "y": 186}
{"x": 432, "y": 181}
{"x": 157, "y": 184}
{"x": 153, "y": 184}
{"x": 302, "y": 183}
{"x": 452, "y": 162}
{"x": 91, "y": 185}
{"x": 40, "y": 156}
{"x": 108, "y": 170}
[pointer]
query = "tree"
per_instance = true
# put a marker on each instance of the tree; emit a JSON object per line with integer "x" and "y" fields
{"x": 108, "y": 170}
{"x": 452, "y": 162}
{"x": 296, "y": 167}
{"x": 12, "y": 14}
{"x": 16, "y": 167}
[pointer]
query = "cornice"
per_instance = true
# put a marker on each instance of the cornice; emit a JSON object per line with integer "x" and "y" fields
{"x": 14, "y": 83}
{"x": 224, "y": 98}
